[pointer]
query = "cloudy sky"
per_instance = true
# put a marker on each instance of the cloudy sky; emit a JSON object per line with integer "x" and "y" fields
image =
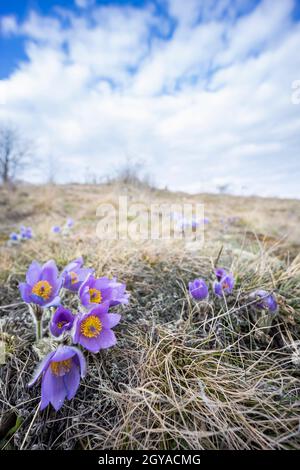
{"x": 201, "y": 91}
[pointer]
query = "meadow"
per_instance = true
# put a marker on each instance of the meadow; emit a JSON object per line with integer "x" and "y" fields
{"x": 183, "y": 374}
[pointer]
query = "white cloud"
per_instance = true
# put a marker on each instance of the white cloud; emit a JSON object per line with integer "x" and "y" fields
{"x": 84, "y": 3}
{"x": 201, "y": 109}
{"x": 8, "y": 25}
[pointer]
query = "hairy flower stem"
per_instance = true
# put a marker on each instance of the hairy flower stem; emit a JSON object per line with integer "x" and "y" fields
{"x": 37, "y": 314}
{"x": 38, "y": 329}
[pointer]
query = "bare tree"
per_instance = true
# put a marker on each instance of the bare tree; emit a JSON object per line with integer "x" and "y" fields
{"x": 15, "y": 152}
{"x": 133, "y": 172}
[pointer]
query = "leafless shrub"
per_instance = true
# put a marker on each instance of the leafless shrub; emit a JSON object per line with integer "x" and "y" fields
{"x": 132, "y": 173}
{"x": 15, "y": 153}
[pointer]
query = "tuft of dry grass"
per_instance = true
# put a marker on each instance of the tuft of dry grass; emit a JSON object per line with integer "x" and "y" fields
{"x": 183, "y": 375}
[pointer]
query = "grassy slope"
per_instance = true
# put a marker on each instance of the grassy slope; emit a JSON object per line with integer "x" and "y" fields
{"x": 182, "y": 375}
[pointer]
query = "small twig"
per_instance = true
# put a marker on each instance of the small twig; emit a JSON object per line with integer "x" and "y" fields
{"x": 30, "y": 426}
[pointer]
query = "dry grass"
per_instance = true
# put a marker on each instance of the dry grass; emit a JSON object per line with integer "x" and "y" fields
{"x": 182, "y": 376}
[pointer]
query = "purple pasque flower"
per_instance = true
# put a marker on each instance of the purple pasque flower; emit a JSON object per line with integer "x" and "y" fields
{"x": 119, "y": 294}
{"x": 56, "y": 229}
{"x": 42, "y": 285}
{"x": 73, "y": 275}
{"x": 194, "y": 223}
{"x": 220, "y": 272}
{"x": 93, "y": 330}
{"x": 69, "y": 223}
{"x": 26, "y": 232}
{"x": 98, "y": 290}
{"x": 14, "y": 237}
{"x": 61, "y": 321}
{"x": 224, "y": 283}
{"x": 60, "y": 371}
{"x": 264, "y": 300}
{"x": 198, "y": 289}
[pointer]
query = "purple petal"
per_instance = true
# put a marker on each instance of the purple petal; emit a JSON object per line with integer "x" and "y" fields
{"x": 100, "y": 309}
{"x": 91, "y": 344}
{"x": 217, "y": 289}
{"x": 25, "y": 291}
{"x": 109, "y": 320}
{"x": 63, "y": 353}
{"x": 71, "y": 381}
{"x": 81, "y": 360}
{"x": 41, "y": 368}
{"x": 76, "y": 328}
{"x": 33, "y": 273}
{"x": 54, "y": 303}
{"x": 106, "y": 292}
{"x": 77, "y": 263}
{"x": 50, "y": 272}
{"x": 85, "y": 296}
{"x": 220, "y": 272}
{"x": 61, "y": 315}
{"x": 107, "y": 339}
{"x": 53, "y": 390}
{"x": 102, "y": 283}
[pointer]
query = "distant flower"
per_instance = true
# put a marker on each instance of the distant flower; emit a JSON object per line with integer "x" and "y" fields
{"x": 42, "y": 284}
{"x": 70, "y": 223}
{"x": 61, "y": 321}
{"x": 60, "y": 371}
{"x": 265, "y": 300}
{"x": 14, "y": 237}
{"x": 119, "y": 294}
{"x": 73, "y": 274}
{"x": 26, "y": 232}
{"x": 175, "y": 216}
{"x": 206, "y": 220}
{"x": 224, "y": 283}
{"x": 233, "y": 219}
{"x": 220, "y": 272}
{"x": 198, "y": 289}
{"x": 102, "y": 290}
{"x": 194, "y": 223}
{"x": 93, "y": 329}
{"x": 56, "y": 229}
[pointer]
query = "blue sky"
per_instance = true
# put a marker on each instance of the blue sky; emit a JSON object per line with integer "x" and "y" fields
{"x": 200, "y": 91}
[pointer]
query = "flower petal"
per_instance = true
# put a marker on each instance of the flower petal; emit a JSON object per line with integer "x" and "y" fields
{"x": 81, "y": 360}
{"x": 71, "y": 381}
{"x": 91, "y": 344}
{"x": 63, "y": 353}
{"x": 110, "y": 320}
{"x": 41, "y": 368}
{"x": 53, "y": 390}
{"x": 25, "y": 291}
{"x": 50, "y": 272}
{"x": 33, "y": 273}
{"x": 54, "y": 303}
{"x": 107, "y": 339}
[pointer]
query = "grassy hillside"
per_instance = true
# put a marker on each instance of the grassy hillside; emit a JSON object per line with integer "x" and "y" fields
{"x": 183, "y": 375}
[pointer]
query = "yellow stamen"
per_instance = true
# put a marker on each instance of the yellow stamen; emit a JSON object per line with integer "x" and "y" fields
{"x": 91, "y": 327}
{"x": 60, "y": 324}
{"x": 74, "y": 277}
{"x": 95, "y": 296}
{"x": 60, "y": 368}
{"x": 42, "y": 289}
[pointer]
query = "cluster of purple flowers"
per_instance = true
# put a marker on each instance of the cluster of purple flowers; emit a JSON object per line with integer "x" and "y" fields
{"x": 183, "y": 223}
{"x": 223, "y": 285}
{"x": 25, "y": 233}
{"x": 63, "y": 229}
{"x": 90, "y": 327}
